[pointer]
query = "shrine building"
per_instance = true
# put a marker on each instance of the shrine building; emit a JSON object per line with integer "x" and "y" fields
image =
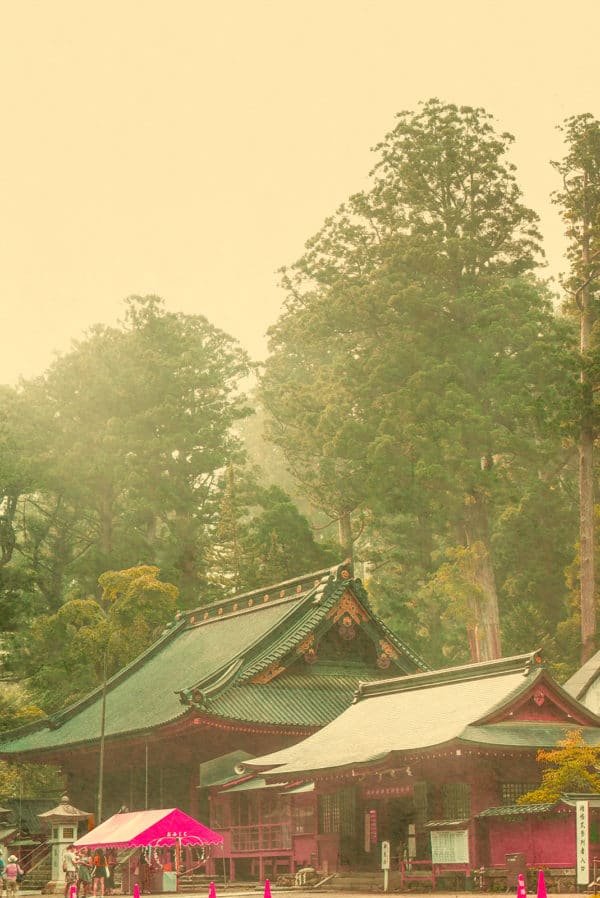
{"x": 251, "y": 674}
{"x": 432, "y": 763}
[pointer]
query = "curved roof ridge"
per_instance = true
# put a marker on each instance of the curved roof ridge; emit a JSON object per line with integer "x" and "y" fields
{"x": 477, "y": 670}
{"x": 316, "y": 611}
{"x": 296, "y": 586}
{"x": 404, "y": 647}
{"x": 583, "y": 678}
{"x": 227, "y": 673}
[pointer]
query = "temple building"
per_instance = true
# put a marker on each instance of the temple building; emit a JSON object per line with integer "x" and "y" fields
{"x": 433, "y": 763}
{"x": 251, "y": 674}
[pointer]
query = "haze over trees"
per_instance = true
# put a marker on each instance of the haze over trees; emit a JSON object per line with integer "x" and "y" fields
{"x": 426, "y": 403}
{"x": 418, "y": 375}
{"x": 579, "y": 201}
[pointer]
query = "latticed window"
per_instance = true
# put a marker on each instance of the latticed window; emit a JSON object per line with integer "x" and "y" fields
{"x": 303, "y": 818}
{"x": 512, "y": 791}
{"x": 337, "y": 812}
{"x": 456, "y": 801}
{"x": 219, "y": 813}
{"x": 421, "y": 796}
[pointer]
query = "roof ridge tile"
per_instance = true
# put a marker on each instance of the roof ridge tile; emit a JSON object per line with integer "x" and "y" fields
{"x": 478, "y": 670}
{"x": 292, "y": 588}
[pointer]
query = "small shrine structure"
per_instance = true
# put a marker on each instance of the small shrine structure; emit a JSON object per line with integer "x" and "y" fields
{"x": 64, "y": 820}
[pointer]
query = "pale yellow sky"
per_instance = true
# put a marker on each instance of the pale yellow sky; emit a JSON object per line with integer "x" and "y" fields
{"x": 189, "y": 148}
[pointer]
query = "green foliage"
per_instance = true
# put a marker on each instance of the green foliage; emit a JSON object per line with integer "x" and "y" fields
{"x": 571, "y": 768}
{"x": 579, "y": 203}
{"x": 418, "y": 371}
{"x": 26, "y": 780}
{"x": 64, "y": 653}
{"x": 138, "y": 605}
{"x": 262, "y": 538}
{"x": 137, "y": 421}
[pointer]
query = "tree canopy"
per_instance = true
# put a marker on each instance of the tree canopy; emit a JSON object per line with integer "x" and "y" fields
{"x": 572, "y": 767}
{"x": 418, "y": 373}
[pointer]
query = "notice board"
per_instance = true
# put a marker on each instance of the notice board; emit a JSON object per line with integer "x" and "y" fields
{"x": 449, "y": 846}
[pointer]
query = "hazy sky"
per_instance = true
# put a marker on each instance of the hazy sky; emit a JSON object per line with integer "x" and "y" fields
{"x": 189, "y": 148}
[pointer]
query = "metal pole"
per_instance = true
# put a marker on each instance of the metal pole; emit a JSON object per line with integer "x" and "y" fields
{"x": 102, "y": 729}
{"x": 146, "y": 782}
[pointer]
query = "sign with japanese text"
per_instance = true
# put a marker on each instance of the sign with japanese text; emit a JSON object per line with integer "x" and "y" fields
{"x": 385, "y": 855}
{"x": 449, "y": 847}
{"x": 373, "y": 826}
{"x": 367, "y": 832}
{"x": 582, "y": 838}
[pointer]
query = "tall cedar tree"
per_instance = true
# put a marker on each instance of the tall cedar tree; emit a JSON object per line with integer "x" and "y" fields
{"x": 579, "y": 201}
{"x": 137, "y": 423}
{"x": 414, "y": 367}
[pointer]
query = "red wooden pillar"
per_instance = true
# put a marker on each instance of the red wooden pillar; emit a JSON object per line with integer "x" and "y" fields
{"x": 193, "y": 791}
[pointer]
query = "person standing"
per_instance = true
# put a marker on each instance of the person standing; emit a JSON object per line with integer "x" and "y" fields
{"x": 99, "y": 872}
{"x": 84, "y": 873}
{"x": 111, "y": 862}
{"x": 13, "y": 874}
{"x": 69, "y": 866}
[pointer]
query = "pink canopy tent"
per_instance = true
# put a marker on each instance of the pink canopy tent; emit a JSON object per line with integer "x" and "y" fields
{"x": 166, "y": 826}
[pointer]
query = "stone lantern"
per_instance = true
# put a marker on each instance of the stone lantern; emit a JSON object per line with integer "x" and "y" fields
{"x": 63, "y": 819}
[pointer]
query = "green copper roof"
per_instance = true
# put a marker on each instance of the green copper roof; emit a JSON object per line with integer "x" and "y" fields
{"x": 220, "y": 770}
{"x": 147, "y": 696}
{"x": 206, "y": 663}
{"x": 525, "y": 734}
{"x": 519, "y": 810}
{"x": 310, "y": 698}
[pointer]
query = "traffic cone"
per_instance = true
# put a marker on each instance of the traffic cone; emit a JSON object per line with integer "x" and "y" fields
{"x": 212, "y": 892}
{"x": 541, "y": 888}
{"x": 267, "y": 889}
{"x": 521, "y": 890}
{"x": 136, "y": 890}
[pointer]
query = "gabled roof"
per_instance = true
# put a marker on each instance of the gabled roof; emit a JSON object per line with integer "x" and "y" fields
{"x": 469, "y": 703}
{"x": 581, "y": 681}
{"x": 220, "y": 770}
{"x": 242, "y": 659}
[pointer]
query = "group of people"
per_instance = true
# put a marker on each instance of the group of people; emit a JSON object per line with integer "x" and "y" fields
{"x": 10, "y": 874}
{"x": 91, "y": 871}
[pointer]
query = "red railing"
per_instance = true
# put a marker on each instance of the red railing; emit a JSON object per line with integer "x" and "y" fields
{"x": 417, "y": 871}
{"x": 261, "y": 837}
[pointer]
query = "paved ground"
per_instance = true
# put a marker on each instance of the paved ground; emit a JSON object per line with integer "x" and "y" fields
{"x": 233, "y": 892}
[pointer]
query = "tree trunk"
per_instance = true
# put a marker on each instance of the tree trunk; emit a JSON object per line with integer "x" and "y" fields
{"x": 8, "y": 540}
{"x": 485, "y": 637}
{"x": 345, "y": 535}
{"x": 586, "y": 543}
{"x": 587, "y": 584}
{"x": 106, "y": 520}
